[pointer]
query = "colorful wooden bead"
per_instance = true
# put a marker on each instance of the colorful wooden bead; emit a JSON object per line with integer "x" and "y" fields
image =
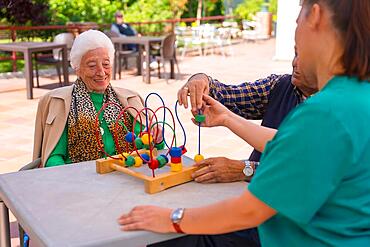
{"x": 200, "y": 118}
{"x": 198, "y": 158}
{"x": 162, "y": 161}
{"x": 153, "y": 164}
{"x": 145, "y": 138}
{"x": 130, "y": 161}
{"x": 145, "y": 157}
{"x": 183, "y": 149}
{"x": 175, "y": 159}
{"x": 138, "y": 161}
{"x": 130, "y": 137}
{"x": 165, "y": 157}
{"x": 176, "y": 167}
{"x": 123, "y": 156}
{"x": 139, "y": 143}
{"x": 175, "y": 152}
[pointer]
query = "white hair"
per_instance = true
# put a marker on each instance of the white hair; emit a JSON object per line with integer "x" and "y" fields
{"x": 87, "y": 41}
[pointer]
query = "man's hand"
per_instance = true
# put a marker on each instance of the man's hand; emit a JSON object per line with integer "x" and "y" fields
{"x": 215, "y": 113}
{"x": 219, "y": 170}
{"x": 195, "y": 87}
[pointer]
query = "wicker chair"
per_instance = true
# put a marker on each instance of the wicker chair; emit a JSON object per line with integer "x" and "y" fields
{"x": 56, "y": 57}
{"x": 167, "y": 53}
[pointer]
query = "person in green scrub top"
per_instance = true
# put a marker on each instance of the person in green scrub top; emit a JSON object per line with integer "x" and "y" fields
{"x": 66, "y": 130}
{"x": 312, "y": 187}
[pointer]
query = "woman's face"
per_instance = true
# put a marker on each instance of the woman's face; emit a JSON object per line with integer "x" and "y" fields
{"x": 95, "y": 70}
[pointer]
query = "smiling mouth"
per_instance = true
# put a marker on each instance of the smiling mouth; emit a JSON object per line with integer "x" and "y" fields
{"x": 100, "y": 80}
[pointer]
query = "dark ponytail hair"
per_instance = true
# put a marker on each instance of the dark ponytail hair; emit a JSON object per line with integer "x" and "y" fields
{"x": 352, "y": 19}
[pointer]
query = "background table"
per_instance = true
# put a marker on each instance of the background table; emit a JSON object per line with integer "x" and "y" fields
{"x": 28, "y": 48}
{"x": 142, "y": 41}
{"x": 72, "y": 205}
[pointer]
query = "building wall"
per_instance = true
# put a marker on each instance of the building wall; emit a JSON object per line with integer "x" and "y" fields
{"x": 287, "y": 14}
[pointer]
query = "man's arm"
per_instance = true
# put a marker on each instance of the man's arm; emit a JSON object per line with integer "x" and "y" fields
{"x": 221, "y": 170}
{"x": 248, "y": 100}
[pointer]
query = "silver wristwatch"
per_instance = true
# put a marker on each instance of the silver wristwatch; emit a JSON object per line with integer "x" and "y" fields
{"x": 248, "y": 169}
{"x": 177, "y": 215}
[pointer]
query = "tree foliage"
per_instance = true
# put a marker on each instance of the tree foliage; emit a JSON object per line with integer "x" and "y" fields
{"x": 24, "y": 12}
{"x": 210, "y": 8}
{"x": 101, "y": 11}
{"x": 178, "y": 7}
{"x": 149, "y": 10}
{"x": 248, "y": 8}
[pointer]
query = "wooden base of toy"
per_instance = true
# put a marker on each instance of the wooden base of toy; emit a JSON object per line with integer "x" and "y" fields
{"x": 152, "y": 185}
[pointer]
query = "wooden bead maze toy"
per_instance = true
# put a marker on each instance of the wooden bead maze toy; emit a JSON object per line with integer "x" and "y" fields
{"x": 143, "y": 154}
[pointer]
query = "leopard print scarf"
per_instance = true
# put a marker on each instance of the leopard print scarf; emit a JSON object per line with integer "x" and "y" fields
{"x": 82, "y": 141}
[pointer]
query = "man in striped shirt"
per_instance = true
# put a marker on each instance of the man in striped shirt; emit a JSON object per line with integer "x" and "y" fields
{"x": 269, "y": 99}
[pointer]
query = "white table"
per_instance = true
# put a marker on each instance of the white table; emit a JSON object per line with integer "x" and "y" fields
{"x": 72, "y": 205}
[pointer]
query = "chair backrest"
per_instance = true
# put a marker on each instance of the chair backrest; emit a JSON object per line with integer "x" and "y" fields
{"x": 168, "y": 48}
{"x": 63, "y": 38}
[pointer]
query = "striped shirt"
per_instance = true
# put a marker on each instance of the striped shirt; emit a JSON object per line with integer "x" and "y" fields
{"x": 248, "y": 99}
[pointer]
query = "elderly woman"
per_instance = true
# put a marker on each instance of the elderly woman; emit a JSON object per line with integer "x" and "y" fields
{"x": 312, "y": 186}
{"x": 65, "y": 123}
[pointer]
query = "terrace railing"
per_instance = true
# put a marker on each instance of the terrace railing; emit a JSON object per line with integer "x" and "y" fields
{"x": 34, "y": 33}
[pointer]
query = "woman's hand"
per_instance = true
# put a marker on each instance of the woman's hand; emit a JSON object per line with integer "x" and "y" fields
{"x": 196, "y": 86}
{"x": 151, "y": 218}
{"x": 157, "y": 133}
{"x": 216, "y": 114}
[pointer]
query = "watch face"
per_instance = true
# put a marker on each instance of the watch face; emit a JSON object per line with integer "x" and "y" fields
{"x": 177, "y": 214}
{"x": 248, "y": 171}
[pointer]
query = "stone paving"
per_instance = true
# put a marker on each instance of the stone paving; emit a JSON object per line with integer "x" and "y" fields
{"x": 250, "y": 61}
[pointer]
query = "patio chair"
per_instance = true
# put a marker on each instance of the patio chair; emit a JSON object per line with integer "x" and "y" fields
{"x": 195, "y": 41}
{"x": 56, "y": 57}
{"x": 123, "y": 54}
{"x": 167, "y": 53}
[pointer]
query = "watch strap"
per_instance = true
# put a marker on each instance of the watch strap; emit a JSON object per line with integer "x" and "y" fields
{"x": 177, "y": 228}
